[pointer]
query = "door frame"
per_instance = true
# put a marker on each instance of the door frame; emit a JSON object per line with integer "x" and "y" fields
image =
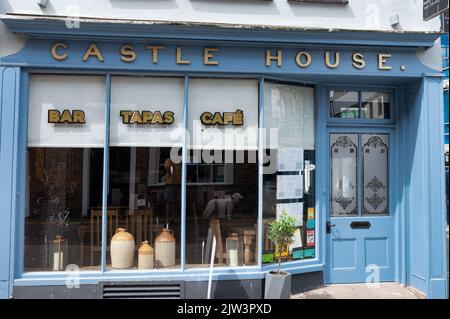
{"x": 394, "y": 205}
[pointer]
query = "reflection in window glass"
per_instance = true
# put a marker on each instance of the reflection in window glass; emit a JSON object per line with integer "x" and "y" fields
{"x": 289, "y": 168}
{"x": 144, "y": 198}
{"x": 222, "y": 201}
{"x": 375, "y": 105}
{"x": 64, "y": 172}
{"x": 64, "y": 194}
{"x": 344, "y": 104}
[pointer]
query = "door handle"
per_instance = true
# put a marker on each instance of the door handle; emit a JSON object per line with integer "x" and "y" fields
{"x": 329, "y": 226}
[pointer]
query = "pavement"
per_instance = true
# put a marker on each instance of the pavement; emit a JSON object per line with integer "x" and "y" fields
{"x": 361, "y": 291}
{"x": 366, "y": 291}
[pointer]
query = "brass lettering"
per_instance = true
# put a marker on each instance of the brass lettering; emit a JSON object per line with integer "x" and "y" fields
{"x": 238, "y": 117}
{"x": 78, "y": 117}
{"x": 147, "y": 117}
{"x": 270, "y": 58}
{"x": 93, "y": 50}
{"x": 382, "y": 59}
{"x": 217, "y": 119}
{"x": 56, "y": 55}
{"x": 126, "y": 116}
{"x": 53, "y": 116}
{"x": 168, "y": 117}
{"x": 358, "y": 61}
{"x": 208, "y": 55}
{"x": 180, "y": 57}
{"x": 328, "y": 62}
{"x": 157, "y": 118}
{"x": 228, "y": 118}
{"x": 136, "y": 118}
{"x": 66, "y": 117}
{"x": 300, "y": 56}
{"x": 205, "y": 118}
{"x": 127, "y": 53}
{"x": 154, "y": 49}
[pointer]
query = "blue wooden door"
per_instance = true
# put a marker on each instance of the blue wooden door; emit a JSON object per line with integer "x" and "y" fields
{"x": 360, "y": 225}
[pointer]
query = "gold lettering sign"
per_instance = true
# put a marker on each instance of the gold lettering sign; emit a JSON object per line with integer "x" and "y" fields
{"x": 358, "y": 61}
{"x": 208, "y": 55}
{"x": 127, "y": 53}
{"x": 57, "y": 47}
{"x": 225, "y": 118}
{"x": 328, "y": 60}
{"x": 146, "y": 117}
{"x": 66, "y": 116}
{"x": 303, "y": 59}
{"x": 270, "y": 57}
{"x": 382, "y": 59}
{"x": 154, "y": 49}
{"x": 93, "y": 51}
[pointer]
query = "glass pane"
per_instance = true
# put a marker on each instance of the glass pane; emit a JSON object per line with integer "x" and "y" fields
{"x": 375, "y": 105}
{"x": 145, "y": 200}
{"x": 375, "y": 154}
{"x": 144, "y": 197}
{"x": 289, "y": 168}
{"x": 222, "y": 204}
{"x": 64, "y": 173}
{"x": 344, "y": 178}
{"x": 344, "y": 104}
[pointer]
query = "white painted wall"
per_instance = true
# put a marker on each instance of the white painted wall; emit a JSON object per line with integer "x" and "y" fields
{"x": 357, "y": 15}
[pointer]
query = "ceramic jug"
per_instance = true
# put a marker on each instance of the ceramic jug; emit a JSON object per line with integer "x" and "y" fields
{"x": 165, "y": 248}
{"x": 145, "y": 256}
{"x": 122, "y": 249}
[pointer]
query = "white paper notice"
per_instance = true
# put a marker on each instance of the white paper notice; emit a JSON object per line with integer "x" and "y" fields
{"x": 289, "y": 186}
{"x": 292, "y": 209}
{"x": 290, "y": 159}
{"x": 297, "y": 240}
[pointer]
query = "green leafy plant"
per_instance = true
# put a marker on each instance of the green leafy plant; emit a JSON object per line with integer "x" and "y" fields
{"x": 281, "y": 232}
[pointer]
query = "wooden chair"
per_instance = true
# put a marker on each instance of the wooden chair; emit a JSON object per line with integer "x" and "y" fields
{"x": 112, "y": 224}
{"x": 140, "y": 224}
{"x": 214, "y": 225}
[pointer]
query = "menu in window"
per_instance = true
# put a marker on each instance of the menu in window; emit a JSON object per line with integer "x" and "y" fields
{"x": 290, "y": 159}
{"x": 292, "y": 209}
{"x": 289, "y": 186}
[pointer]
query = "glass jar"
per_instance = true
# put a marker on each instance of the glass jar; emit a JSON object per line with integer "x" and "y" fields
{"x": 234, "y": 246}
{"x": 57, "y": 253}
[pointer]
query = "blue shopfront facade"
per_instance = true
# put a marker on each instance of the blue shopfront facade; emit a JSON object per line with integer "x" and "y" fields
{"x": 404, "y": 243}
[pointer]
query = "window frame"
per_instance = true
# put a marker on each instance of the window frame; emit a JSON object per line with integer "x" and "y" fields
{"x": 362, "y": 88}
{"x": 86, "y": 276}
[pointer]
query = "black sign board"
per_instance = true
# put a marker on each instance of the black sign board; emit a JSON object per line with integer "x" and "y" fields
{"x": 433, "y": 8}
{"x": 444, "y": 21}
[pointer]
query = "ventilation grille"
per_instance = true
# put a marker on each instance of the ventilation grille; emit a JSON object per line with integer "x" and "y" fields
{"x": 147, "y": 291}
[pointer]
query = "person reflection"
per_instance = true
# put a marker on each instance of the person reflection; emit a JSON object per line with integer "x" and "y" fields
{"x": 172, "y": 181}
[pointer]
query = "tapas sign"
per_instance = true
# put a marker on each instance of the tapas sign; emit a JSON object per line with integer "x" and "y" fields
{"x": 146, "y": 117}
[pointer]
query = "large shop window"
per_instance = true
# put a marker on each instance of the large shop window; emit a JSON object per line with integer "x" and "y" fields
{"x": 222, "y": 173}
{"x": 144, "y": 196}
{"x": 289, "y": 168}
{"x": 65, "y": 169}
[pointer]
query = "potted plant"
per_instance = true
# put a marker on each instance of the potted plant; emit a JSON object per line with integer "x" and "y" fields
{"x": 281, "y": 232}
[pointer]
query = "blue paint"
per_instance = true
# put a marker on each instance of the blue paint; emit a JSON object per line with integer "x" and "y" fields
{"x": 184, "y": 155}
{"x": 260, "y": 171}
{"x": 105, "y": 171}
{"x": 417, "y": 229}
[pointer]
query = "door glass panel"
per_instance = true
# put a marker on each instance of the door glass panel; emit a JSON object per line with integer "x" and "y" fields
{"x": 375, "y": 173}
{"x": 344, "y": 177}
